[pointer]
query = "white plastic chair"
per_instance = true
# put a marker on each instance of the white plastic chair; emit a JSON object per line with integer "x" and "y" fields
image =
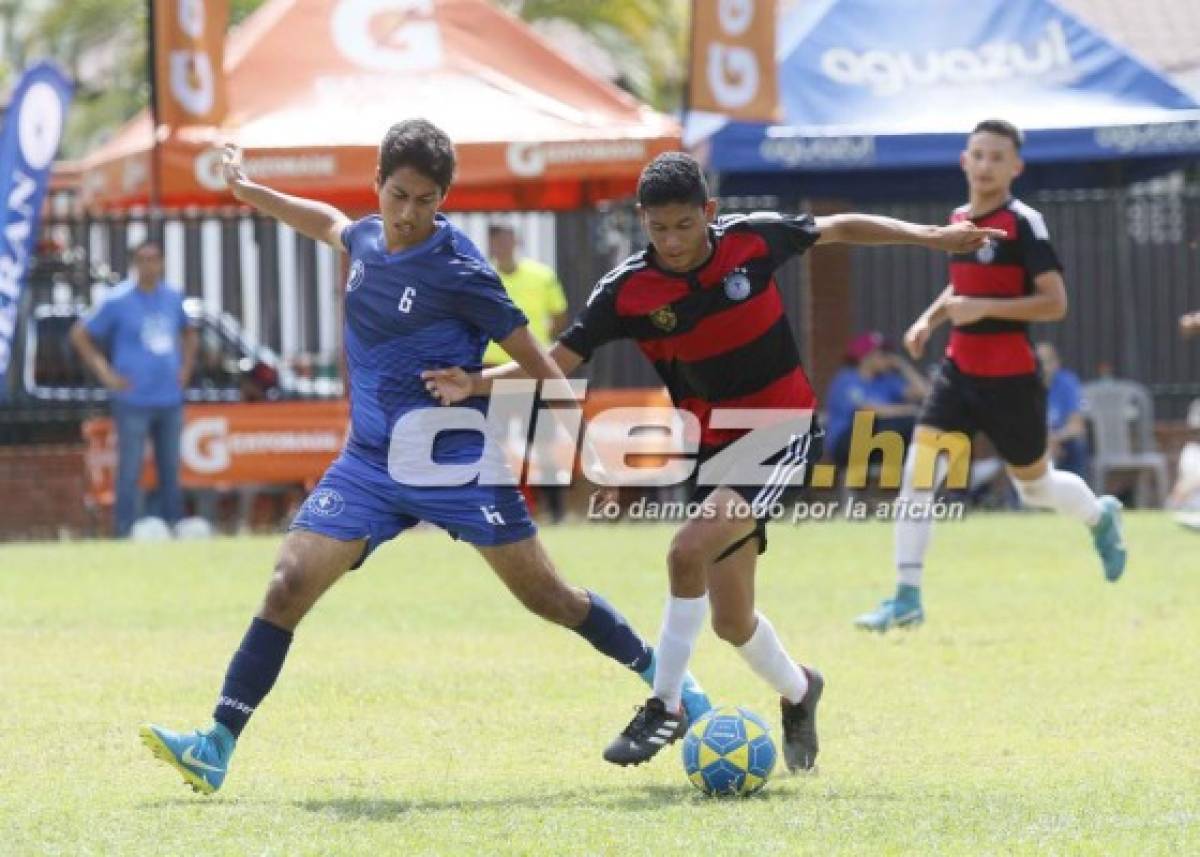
{"x": 1121, "y": 414}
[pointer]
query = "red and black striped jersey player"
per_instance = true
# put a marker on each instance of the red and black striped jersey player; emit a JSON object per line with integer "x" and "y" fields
{"x": 989, "y": 380}
{"x": 702, "y": 304}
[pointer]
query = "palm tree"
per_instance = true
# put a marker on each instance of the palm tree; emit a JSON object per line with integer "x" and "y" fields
{"x": 647, "y": 39}
{"x": 95, "y": 42}
{"x": 102, "y": 44}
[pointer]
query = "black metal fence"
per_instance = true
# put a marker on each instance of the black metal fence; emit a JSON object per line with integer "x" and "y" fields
{"x": 283, "y": 288}
{"x": 1131, "y": 256}
{"x": 1131, "y": 259}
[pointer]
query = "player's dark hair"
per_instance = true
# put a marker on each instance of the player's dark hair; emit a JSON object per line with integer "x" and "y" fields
{"x": 672, "y": 177}
{"x": 495, "y": 229}
{"x": 419, "y": 144}
{"x": 1001, "y": 128}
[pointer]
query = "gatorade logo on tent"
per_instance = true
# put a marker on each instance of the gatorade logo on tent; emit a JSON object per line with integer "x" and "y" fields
{"x": 388, "y": 35}
{"x": 209, "y": 175}
{"x": 208, "y": 445}
{"x": 892, "y": 72}
{"x": 207, "y": 170}
{"x": 529, "y": 160}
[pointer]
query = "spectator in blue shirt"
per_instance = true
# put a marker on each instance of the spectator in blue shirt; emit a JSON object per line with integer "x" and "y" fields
{"x": 141, "y": 346}
{"x": 875, "y": 379}
{"x": 1064, "y": 413}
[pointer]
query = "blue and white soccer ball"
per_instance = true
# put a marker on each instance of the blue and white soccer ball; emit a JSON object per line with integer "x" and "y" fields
{"x": 729, "y": 751}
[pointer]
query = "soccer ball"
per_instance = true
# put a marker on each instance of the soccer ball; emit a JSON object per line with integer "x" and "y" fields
{"x": 150, "y": 529}
{"x": 193, "y": 528}
{"x": 729, "y": 751}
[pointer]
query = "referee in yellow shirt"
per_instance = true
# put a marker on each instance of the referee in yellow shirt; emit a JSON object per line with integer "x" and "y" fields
{"x": 534, "y": 288}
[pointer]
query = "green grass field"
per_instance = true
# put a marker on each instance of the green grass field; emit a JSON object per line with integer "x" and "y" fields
{"x": 1040, "y": 710}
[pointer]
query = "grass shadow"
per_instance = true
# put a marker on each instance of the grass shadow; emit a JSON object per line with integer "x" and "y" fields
{"x": 650, "y": 798}
{"x": 387, "y": 809}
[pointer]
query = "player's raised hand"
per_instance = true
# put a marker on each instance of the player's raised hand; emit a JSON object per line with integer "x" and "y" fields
{"x": 447, "y": 385}
{"x": 916, "y": 337}
{"x": 963, "y": 311}
{"x": 964, "y": 237}
{"x": 231, "y": 168}
{"x": 1189, "y": 323}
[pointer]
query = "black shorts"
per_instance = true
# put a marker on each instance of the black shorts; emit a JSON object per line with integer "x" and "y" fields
{"x": 1010, "y": 410}
{"x": 790, "y": 470}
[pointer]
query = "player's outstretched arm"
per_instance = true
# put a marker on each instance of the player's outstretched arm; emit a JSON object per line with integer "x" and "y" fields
{"x": 454, "y": 384}
{"x": 310, "y": 218}
{"x": 1047, "y": 303}
{"x": 963, "y": 237}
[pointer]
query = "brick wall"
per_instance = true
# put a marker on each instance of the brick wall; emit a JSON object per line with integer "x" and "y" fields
{"x": 41, "y": 492}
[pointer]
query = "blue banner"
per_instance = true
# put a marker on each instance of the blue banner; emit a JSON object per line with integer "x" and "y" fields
{"x": 873, "y": 85}
{"x": 33, "y": 128}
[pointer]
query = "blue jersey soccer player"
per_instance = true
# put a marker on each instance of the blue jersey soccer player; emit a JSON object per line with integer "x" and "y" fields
{"x": 419, "y": 295}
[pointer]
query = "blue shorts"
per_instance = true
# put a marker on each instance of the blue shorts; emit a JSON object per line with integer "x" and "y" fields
{"x": 359, "y": 500}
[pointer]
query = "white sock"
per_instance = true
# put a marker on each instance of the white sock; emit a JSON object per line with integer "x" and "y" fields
{"x": 914, "y": 522}
{"x": 1062, "y": 491}
{"x": 682, "y": 621}
{"x": 765, "y": 655}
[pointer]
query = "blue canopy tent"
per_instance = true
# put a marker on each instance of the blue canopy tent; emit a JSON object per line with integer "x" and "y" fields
{"x": 877, "y": 96}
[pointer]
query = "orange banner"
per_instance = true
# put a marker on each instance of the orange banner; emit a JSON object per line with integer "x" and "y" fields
{"x": 733, "y": 59}
{"x": 292, "y": 443}
{"x": 553, "y": 176}
{"x": 224, "y": 445}
{"x": 189, "y": 76}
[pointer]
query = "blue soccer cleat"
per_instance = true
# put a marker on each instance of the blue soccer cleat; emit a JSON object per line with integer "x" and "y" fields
{"x": 903, "y": 611}
{"x": 1108, "y": 538}
{"x": 201, "y": 757}
{"x": 695, "y": 700}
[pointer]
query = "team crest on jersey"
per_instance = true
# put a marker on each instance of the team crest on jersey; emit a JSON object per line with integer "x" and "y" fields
{"x": 356, "y": 275}
{"x": 664, "y": 319}
{"x": 325, "y": 502}
{"x": 986, "y": 253}
{"x": 737, "y": 285}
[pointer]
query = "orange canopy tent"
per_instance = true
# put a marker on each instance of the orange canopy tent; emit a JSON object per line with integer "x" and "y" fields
{"x": 312, "y": 85}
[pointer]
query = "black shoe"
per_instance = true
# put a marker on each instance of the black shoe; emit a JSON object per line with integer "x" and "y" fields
{"x": 652, "y": 728}
{"x": 800, "y": 725}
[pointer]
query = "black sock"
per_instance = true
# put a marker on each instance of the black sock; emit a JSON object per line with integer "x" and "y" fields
{"x": 251, "y": 674}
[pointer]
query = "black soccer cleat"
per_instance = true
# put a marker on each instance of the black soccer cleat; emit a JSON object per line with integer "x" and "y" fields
{"x": 800, "y": 744}
{"x": 652, "y": 728}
